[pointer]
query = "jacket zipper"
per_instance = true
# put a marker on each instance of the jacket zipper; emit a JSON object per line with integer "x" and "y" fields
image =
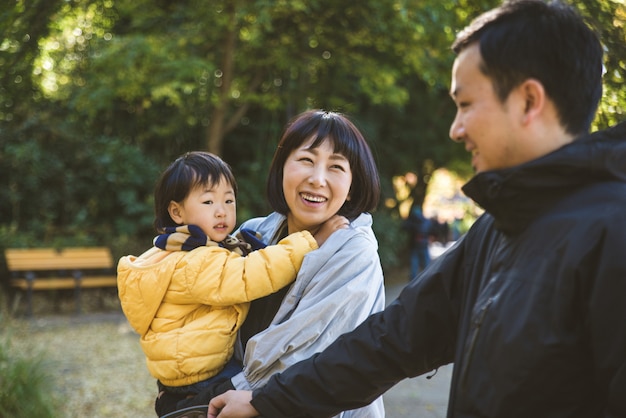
{"x": 477, "y": 323}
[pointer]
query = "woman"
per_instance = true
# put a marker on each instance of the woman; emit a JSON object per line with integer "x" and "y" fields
{"x": 322, "y": 167}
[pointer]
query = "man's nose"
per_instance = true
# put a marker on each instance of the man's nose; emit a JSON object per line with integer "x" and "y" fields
{"x": 457, "y": 131}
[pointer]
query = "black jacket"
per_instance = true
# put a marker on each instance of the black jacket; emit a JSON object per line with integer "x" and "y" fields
{"x": 530, "y": 304}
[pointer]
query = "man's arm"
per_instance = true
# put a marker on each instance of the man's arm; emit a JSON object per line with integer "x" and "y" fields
{"x": 414, "y": 335}
{"x": 333, "y": 380}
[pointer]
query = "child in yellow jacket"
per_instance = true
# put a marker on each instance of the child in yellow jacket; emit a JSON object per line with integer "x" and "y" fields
{"x": 189, "y": 294}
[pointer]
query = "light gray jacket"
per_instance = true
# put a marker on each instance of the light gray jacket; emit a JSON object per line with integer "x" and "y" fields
{"x": 338, "y": 286}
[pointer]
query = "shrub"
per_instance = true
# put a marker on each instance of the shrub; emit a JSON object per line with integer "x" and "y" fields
{"x": 26, "y": 389}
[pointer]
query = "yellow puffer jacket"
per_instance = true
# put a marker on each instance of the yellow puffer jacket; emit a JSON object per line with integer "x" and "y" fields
{"x": 188, "y": 305}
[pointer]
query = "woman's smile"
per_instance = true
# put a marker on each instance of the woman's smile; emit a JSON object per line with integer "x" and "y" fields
{"x": 311, "y": 198}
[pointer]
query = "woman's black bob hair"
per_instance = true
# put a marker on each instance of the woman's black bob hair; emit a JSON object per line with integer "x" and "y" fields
{"x": 347, "y": 140}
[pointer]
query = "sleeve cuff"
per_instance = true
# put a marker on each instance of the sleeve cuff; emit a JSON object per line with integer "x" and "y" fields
{"x": 239, "y": 382}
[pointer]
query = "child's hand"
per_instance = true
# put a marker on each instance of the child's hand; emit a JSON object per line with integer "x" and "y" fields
{"x": 330, "y": 226}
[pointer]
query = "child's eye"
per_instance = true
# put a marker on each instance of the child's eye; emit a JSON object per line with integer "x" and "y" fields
{"x": 230, "y": 201}
{"x": 208, "y": 202}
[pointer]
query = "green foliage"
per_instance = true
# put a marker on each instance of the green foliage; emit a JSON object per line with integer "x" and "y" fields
{"x": 26, "y": 389}
{"x": 391, "y": 238}
{"x": 608, "y": 18}
{"x": 63, "y": 185}
{"x": 98, "y": 96}
{"x": 21, "y": 26}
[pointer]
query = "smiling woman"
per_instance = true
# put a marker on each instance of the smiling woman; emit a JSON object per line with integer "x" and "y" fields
{"x": 322, "y": 167}
{"x": 312, "y": 129}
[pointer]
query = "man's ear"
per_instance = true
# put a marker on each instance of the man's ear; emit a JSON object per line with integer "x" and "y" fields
{"x": 176, "y": 211}
{"x": 534, "y": 96}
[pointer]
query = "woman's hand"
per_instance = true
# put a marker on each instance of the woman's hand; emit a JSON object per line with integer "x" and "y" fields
{"x": 327, "y": 228}
{"x": 232, "y": 404}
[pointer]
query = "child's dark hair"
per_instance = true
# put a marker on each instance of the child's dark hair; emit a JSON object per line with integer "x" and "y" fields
{"x": 347, "y": 140}
{"x": 190, "y": 170}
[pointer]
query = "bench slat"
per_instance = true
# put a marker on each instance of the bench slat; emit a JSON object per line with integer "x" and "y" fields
{"x": 50, "y": 283}
{"x": 47, "y": 284}
{"x": 38, "y": 259}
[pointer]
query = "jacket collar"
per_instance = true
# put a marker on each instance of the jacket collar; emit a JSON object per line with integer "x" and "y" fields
{"x": 515, "y": 196}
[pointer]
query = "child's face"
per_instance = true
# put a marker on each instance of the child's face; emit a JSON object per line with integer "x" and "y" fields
{"x": 212, "y": 209}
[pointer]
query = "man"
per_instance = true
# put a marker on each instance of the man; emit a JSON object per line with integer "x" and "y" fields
{"x": 529, "y": 304}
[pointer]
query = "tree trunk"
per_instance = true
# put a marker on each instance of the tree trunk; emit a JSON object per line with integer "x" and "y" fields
{"x": 216, "y": 131}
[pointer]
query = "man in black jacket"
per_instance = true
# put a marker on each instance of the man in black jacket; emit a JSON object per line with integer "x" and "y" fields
{"x": 529, "y": 304}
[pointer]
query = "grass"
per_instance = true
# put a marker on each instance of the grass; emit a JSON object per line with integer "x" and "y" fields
{"x": 25, "y": 386}
{"x": 97, "y": 367}
{"x": 59, "y": 364}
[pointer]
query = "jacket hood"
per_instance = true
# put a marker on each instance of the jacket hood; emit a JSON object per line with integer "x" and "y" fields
{"x": 517, "y": 195}
{"x": 143, "y": 282}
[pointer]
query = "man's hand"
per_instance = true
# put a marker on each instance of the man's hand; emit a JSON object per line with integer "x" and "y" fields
{"x": 232, "y": 404}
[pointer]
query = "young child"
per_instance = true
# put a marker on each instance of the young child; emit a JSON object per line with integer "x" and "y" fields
{"x": 188, "y": 295}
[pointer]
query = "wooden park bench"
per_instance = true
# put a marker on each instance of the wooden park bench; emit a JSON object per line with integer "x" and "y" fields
{"x": 70, "y": 268}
